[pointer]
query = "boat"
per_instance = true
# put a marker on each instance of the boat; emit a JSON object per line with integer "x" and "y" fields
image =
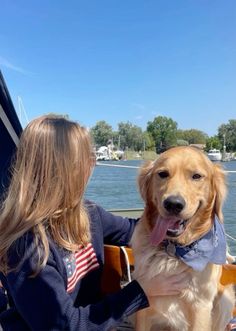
{"x": 214, "y": 155}
{"x": 10, "y": 130}
{"x": 102, "y": 154}
{"x": 226, "y": 157}
{"x": 105, "y": 153}
{"x": 117, "y": 261}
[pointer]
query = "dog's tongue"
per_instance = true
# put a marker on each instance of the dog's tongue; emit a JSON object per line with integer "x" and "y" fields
{"x": 160, "y": 229}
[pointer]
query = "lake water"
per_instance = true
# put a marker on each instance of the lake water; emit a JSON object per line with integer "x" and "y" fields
{"x": 116, "y": 188}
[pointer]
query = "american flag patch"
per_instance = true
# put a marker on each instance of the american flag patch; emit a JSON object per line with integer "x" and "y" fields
{"x": 78, "y": 264}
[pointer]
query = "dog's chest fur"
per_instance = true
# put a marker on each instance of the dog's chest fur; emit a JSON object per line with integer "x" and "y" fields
{"x": 174, "y": 311}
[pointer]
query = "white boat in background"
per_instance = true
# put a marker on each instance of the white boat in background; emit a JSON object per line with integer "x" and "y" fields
{"x": 104, "y": 153}
{"x": 214, "y": 155}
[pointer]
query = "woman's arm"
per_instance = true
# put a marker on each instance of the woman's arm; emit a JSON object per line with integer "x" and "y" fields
{"x": 3, "y": 299}
{"x": 44, "y": 304}
{"x": 117, "y": 230}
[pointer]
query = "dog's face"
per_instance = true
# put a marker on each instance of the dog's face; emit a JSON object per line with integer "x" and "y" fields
{"x": 183, "y": 191}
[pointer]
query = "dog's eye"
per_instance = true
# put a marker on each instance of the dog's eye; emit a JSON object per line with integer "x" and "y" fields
{"x": 163, "y": 174}
{"x": 196, "y": 176}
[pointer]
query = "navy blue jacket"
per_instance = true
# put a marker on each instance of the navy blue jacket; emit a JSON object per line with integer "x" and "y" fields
{"x": 43, "y": 303}
{"x": 3, "y": 300}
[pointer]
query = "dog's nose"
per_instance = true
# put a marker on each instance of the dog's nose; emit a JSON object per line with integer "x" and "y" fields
{"x": 174, "y": 204}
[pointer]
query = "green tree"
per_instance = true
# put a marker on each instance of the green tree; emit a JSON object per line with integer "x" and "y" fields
{"x": 227, "y": 133}
{"x": 131, "y": 136}
{"x": 163, "y": 130}
{"x": 192, "y": 136}
{"x": 148, "y": 142}
{"x": 182, "y": 142}
{"x": 116, "y": 139}
{"x": 213, "y": 142}
{"x": 101, "y": 133}
{"x": 66, "y": 116}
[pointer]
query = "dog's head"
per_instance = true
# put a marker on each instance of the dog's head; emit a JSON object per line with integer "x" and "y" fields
{"x": 183, "y": 191}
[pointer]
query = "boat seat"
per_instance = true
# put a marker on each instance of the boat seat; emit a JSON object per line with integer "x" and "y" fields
{"x": 115, "y": 269}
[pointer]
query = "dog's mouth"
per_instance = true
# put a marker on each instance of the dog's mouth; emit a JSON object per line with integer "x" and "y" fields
{"x": 167, "y": 227}
{"x": 170, "y": 227}
{"x": 177, "y": 228}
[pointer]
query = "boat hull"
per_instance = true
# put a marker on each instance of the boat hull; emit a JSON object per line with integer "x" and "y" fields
{"x": 214, "y": 155}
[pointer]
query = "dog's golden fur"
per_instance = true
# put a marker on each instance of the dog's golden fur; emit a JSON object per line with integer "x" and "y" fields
{"x": 187, "y": 173}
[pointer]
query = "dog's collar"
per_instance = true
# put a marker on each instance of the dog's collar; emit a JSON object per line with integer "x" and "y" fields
{"x": 210, "y": 248}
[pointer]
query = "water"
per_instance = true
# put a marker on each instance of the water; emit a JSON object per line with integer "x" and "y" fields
{"x": 116, "y": 188}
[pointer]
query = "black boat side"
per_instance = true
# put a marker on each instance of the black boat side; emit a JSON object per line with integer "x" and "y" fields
{"x": 10, "y": 130}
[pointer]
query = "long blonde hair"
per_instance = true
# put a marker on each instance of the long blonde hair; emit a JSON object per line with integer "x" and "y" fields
{"x": 53, "y": 162}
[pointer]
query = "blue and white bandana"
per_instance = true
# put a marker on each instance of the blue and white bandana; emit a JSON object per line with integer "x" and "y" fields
{"x": 211, "y": 248}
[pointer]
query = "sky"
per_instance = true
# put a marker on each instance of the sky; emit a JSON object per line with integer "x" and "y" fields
{"x": 122, "y": 60}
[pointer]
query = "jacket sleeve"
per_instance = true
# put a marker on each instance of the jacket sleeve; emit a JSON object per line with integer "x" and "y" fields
{"x": 44, "y": 304}
{"x": 3, "y": 299}
{"x": 117, "y": 230}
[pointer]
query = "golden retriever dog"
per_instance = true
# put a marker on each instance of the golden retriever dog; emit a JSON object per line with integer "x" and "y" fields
{"x": 182, "y": 221}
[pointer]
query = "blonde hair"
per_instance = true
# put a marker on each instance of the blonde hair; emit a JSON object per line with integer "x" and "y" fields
{"x": 53, "y": 162}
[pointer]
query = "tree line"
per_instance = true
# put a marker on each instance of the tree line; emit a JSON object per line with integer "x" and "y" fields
{"x": 160, "y": 134}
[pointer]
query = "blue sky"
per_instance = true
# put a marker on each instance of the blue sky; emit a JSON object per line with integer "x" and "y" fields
{"x": 122, "y": 60}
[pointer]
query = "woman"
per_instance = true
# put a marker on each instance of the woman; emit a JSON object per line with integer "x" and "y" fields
{"x": 51, "y": 240}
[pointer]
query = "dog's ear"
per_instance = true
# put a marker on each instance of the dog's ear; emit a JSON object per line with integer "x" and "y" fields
{"x": 144, "y": 180}
{"x": 219, "y": 180}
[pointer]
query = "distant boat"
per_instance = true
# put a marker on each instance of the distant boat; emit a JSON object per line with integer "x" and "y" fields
{"x": 214, "y": 155}
{"x": 227, "y": 157}
{"x": 102, "y": 154}
{"x": 105, "y": 153}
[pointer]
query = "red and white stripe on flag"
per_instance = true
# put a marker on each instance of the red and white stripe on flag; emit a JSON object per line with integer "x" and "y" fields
{"x": 78, "y": 264}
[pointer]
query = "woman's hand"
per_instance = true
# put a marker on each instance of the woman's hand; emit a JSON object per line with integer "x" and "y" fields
{"x": 166, "y": 285}
{"x": 232, "y": 325}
